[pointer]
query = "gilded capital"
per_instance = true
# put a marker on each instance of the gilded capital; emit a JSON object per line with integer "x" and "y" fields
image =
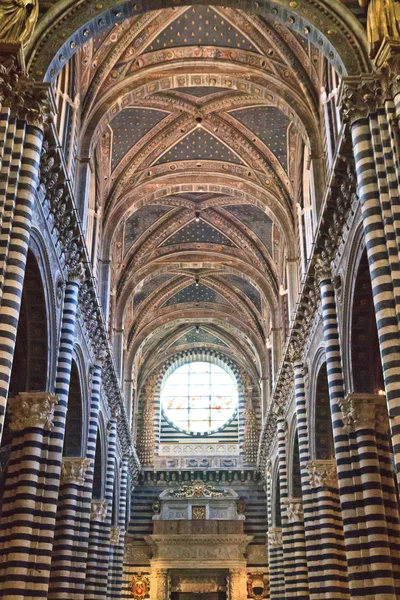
{"x": 32, "y": 409}
{"x": 322, "y": 473}
{"x": 73, "y": 470}
{"x": 98, "y": 510}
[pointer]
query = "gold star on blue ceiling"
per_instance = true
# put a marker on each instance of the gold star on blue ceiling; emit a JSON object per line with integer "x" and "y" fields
{"x": 270, "y": 125}
{"x": 256, "y": 220}
{"x": 199, "y": 144}
{"x": 200, "y": 337}
{"x": 247, "y": 288}
{"x": 129, "y": 126}
{"x": 196, "y": 293}
{"x": 200, "y": 232}
{"x": 150, "y": 287}
{"x": 140, "y": 221}
{"x": 201, "y": 26}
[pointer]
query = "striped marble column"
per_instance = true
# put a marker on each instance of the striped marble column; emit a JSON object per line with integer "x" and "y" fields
{"x": 379, "y": 249}
{"x": 111, "y": 531}
{"x": 68, "y": 570}
{"x": 296, "y": 570}
{"x": 100, "y": 527}
{"x": 117, "y": 560}
{"x": 381, "y": 529}
{"x": 275, "y": 562}
{"x": 30, "y": 498}
{"x": 369, "y": 568}
{"x": 326, "y": 560}
{"x": 19, "y": 180}
{"x": 96, "y": 572}
{"x": 64, "y": 578}
{"x": 67, "y": 576}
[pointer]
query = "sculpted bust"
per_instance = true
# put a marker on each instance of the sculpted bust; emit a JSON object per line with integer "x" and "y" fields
{"x": 17, "y": 19}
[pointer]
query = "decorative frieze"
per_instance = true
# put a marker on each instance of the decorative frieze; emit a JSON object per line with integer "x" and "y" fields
{"x": 274, "y": 537}
{"x": 98, "y": 510}
{"x": 32, "y": 409}
{"x": 322, "y": 473}
{"x": 73, "y": 470}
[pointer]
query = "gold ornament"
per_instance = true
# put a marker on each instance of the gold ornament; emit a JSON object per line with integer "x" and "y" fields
{"x": 140, "y": 586}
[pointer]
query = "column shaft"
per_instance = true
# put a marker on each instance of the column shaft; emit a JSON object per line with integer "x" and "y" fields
{"x": 14, "y": 238}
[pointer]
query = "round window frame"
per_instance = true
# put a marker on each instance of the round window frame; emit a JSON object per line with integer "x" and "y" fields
{"x": 234, "y": 416}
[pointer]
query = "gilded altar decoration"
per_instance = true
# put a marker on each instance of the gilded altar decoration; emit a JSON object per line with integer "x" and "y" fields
{"x": 198, "y": 489}
{"x": 198, "y": 512}
{"x": 140, "y": 586}
{"x": 17, "y": 19}
{"x": 257, "y": 585}
{"x": 382, "y": 22}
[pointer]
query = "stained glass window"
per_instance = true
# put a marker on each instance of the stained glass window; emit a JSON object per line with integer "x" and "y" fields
{"x": 199, "y": 397}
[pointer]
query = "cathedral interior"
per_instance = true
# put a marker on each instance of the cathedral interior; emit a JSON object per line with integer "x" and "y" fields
{"x": 199, "y": 300}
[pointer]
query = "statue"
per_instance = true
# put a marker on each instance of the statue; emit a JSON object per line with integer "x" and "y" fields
{"x": 382, "y": 22}
{"x": 17, "y": 19}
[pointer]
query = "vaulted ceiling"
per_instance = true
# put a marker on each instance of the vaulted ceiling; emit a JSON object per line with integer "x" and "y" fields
{"x": 197, "y": 118}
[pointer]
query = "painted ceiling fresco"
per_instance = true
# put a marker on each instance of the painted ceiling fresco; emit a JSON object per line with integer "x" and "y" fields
{"x": 198, "y": 232}
{"x": 256, "y": 220}
{"x": 129, "y": 127}
{"x": 247, "y": 288}
{"x": 140, "y": 221}
{"x": 151, "y": 286}
{"x": 201, "y": 26}
{"x": 199, "y": 144}
{"x": 194, "y": 293}
{"x": 151, "y": 81}
{"x": 270, "y": 125}
{"x": 199, "y": 337}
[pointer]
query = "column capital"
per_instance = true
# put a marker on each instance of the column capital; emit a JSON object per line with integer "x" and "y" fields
{"x": 294, "y": 509}
{"x": 32, "y": 409}
{"x": 322, "y": 473}
{"x": 115, "y": 533}
{"x": 77, "y": 274}
{"x": 359, "y": 411}
{"x": 322, "y": 266}
{"x": 359, "y": 96}
{"x": 98, "y": 510}
{"x": 274, "y": 537}
{"x": 28, "y": 100}
{"x": 73, "y": 470}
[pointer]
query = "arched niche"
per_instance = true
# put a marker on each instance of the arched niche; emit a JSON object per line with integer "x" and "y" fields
{"x": 295, "y": 475}
{"x": 31, "y": 355}
{"x": 276, "y": 501}
{"x": 97, "y": 492}
{"x": 73, "y": 440}
{"x": 366, "y": 366}
{"x": 323, "y": 435}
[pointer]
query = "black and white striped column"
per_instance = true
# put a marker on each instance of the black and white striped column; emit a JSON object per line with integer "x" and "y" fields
{"x": 326, "y": 560}
{"x": 369, "y": 570}
{"x": 30, "y": 498}
{"x": 19, "y": 180}
{"x": 117, "y": 559}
